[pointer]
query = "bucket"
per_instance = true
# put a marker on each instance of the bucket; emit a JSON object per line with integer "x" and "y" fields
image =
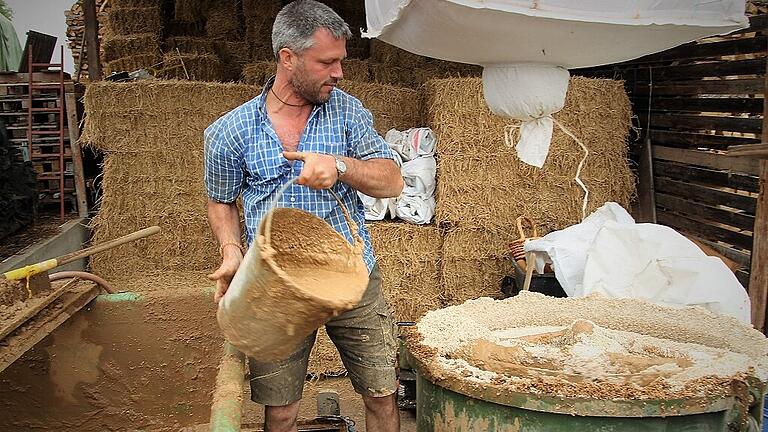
{"x": 298, "y": 273}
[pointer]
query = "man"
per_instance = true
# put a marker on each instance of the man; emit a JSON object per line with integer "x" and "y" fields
{"x": 303, "y": 126}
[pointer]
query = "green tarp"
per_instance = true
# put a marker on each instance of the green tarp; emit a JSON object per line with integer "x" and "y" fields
{"x": 10, "y": 50}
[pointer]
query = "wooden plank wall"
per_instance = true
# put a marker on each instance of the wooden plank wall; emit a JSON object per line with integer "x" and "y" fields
{"x": 696, "y": 100}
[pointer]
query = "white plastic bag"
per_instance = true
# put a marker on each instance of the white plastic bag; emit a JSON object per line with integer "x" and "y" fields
{"x": 417, "y": 210}
{"x": 411, "y": 143}
{"x": 567, "y": 249}
{"x": 419, "y": 176}
{"x": 656, "y": 263}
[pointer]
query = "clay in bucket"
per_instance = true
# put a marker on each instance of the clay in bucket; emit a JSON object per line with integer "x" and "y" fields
{"x": 296, "y": 275}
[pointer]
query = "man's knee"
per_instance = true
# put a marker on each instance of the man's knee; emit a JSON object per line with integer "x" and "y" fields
{"x": 383, "y": 404}
{"x": 280, "y": 418}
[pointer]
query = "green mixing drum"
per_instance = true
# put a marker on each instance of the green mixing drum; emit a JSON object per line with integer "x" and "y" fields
{"x": 537, "y": 364}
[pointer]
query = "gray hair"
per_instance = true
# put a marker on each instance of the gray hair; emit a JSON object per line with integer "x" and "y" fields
{"x": 297, "y": 22}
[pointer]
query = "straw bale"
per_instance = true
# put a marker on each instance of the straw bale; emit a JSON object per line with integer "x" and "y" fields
{"x": 131, "y": 63}
{"x": 358, "y": 47}
{"x": 356, "y": 70}
{"x": 408, "y": 256}
{"x": 127, "y": 21}
{"x": 262, "y": 10}
{"x": 117, "y": 47}
{"x": 482, "y": 183}
{"x": 152, "y": 133}
{"x": 417, "y": 76}
{"x": 199, "y": 67}
{"x": 189, "y": 10}
{"x": 222, "y": 22}
{"x": 258, "y": 73}
{"x": 173, "y": 198}
{"x": 235, "y": 52}
{"x": 189, "y": 45}
{"x": 157, "y": 115}
{"x": 464, "y": 279}
{"x": 125, "y": 4}
{"x": 324, "y": 359}
{"x": 382, "y": 52}
{"x": 392, "y": 107}
{"x": 477, "y": 243}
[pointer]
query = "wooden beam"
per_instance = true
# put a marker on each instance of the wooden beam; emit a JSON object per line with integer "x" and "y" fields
{"x": 702, "y": 229}
{"x": 45, "y": 322}
{"x": 740, "y": 86}
{"x": 705, "y": 212}
{"x": 77, "y": 158}
{"x": 706, "y": 195}
{"x": 706, "y": 176}
{"x": 692, "y": 140}
{"x": 708, "y": 159}
{"x": 718, "y": 68}
{"x": 694, "y": 50}
{"x": 758, "y": 279}
{"x": 92, "y": 40}
{"x": 646, "y": 195}
{"x": 757, "y": 151}
{"x": 700, "y": 122}
{"x": 750, "y": 105}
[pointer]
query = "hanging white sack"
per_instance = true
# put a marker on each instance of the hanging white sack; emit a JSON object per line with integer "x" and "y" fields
{"x": 531, "y": 93}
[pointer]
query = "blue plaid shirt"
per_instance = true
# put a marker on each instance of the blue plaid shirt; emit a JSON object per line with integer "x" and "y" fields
{"x": 244, "y": 154}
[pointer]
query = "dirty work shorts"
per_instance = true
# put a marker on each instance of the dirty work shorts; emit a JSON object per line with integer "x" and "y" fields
{"x": 366, "y": 338}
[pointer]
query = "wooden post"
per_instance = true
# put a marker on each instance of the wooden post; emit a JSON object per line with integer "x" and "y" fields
{"x": 77, "y": 158}
{"x": 92, "y": 40}
{"x": 758, "y": 279}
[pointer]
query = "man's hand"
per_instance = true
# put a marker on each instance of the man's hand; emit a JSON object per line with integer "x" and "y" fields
{"x": 319, "y": 171}
{"x": 226, "y": 271}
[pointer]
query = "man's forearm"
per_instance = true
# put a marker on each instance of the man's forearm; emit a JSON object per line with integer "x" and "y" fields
{"x": 225, "y": 221}
{"x": 378, "y": 178}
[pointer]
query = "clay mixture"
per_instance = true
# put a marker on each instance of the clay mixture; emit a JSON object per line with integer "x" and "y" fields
{"x": 591, "y": 347}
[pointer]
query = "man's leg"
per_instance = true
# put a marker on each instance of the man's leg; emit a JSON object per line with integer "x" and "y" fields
{"x": 381, "y": 414}
{"x": 366, "y": 337}
{"x": 281, "y": 418}
{"x": 278, "y": 386}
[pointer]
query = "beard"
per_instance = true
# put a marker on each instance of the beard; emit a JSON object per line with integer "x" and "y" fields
{"x": 309, "y": 89}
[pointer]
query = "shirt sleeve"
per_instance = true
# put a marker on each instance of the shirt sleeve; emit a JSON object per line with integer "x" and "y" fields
{"x": 224, "y": 174}
{"x": 364, "y": 142}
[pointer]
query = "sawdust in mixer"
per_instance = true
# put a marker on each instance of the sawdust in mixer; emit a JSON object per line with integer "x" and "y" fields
{"x": 589, "y": 347}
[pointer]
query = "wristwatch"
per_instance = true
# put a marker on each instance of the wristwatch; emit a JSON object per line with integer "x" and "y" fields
{"x": 341, "y": 167}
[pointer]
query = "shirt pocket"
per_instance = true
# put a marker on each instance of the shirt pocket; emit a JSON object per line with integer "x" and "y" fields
{"x": 327, "y": 139}
{"x": 266, "y": 163}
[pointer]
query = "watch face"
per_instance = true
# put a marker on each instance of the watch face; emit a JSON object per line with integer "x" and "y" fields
{"x": 341, "y": 167}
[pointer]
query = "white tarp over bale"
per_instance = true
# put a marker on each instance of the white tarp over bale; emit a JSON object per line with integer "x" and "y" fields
{"x": 526, "y": 47}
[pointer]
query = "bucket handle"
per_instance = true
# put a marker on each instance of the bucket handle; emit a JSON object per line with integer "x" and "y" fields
{"x": 276, "y": 201}
{"x": 520, "y": 231}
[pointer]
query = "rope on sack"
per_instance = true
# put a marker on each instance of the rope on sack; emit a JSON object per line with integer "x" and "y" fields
{"x": 509, "y": 135}
{"x": 577, "y": 178}
{"x": 509, "y": 141}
